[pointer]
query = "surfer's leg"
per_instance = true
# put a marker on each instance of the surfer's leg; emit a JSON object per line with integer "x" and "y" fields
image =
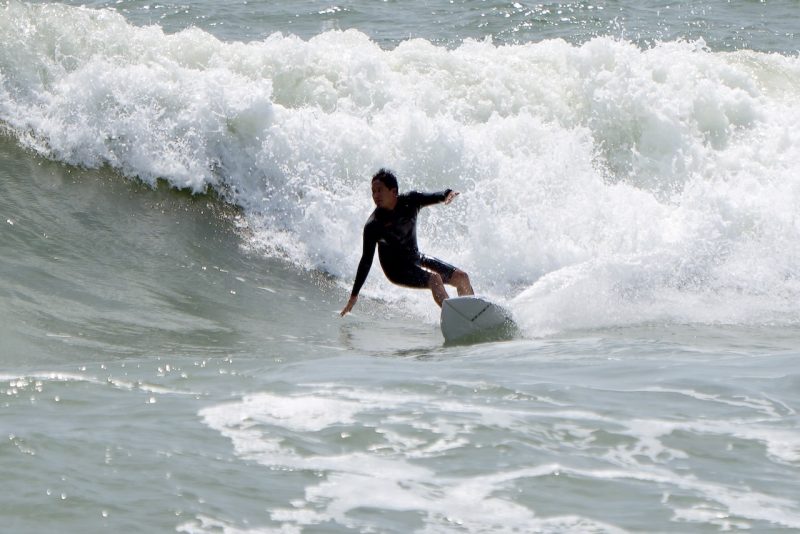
{"x": 437, "y": 288}
{"x": 460, "y": 280}
{"x": 450, "y": 275}
{"x": 412, "y": 275}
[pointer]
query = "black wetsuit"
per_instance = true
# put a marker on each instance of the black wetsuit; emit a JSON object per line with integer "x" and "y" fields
{"x": 395, "y": 234}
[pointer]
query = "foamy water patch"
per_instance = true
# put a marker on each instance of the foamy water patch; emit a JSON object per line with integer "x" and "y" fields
{"x": 381, "y": 477}
{"x": 393, "y": 452}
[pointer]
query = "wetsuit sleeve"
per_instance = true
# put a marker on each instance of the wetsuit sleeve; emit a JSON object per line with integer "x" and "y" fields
{"x": 370, "y": 242}
{"x": 426, "y": 199}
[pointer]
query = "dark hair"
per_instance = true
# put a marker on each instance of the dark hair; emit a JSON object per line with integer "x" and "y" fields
{"x": 386, "y": 177}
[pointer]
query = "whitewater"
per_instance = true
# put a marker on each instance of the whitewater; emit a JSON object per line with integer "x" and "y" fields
{"x": 183, "y": 202}
{"x": 660, "y": 184}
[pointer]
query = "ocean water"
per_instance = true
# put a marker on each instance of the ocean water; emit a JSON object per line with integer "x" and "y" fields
{"x": 182, "y": 192}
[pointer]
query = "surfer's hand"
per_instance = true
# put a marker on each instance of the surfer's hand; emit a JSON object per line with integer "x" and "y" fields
{"x": 451, "y": 196}
{"x": 349, "y": 305}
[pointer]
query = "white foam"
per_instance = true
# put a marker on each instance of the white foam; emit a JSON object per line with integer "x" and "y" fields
{"x": 383, "y": 478}
{"x": 393, "y": 474}
{"x": 205, "y": 523}
{"x": 602, "y": 184}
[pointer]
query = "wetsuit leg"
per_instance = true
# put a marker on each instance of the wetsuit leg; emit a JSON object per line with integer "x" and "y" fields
{"x": 405, "y": 272}
{"x": 415, "y": 273}
{"x": 444, "y": 269}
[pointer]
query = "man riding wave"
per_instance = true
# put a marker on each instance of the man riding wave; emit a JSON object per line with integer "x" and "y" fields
{"x": 392, "y": 228}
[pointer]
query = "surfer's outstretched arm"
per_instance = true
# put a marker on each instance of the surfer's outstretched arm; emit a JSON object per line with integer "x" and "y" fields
{"x": 427, "y": 199}
{"x": 370, "y": 242}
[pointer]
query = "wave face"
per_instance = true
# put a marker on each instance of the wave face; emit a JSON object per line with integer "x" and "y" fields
{"x": 602, "y": 184}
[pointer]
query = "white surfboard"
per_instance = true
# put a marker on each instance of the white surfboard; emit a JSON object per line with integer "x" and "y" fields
{"x": 471, "y": 319}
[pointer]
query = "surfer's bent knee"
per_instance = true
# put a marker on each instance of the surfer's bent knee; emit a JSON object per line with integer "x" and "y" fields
{"x": 459, "y": 276}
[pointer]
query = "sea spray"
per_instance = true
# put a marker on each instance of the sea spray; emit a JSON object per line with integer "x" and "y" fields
{"x": 602, "y": 184}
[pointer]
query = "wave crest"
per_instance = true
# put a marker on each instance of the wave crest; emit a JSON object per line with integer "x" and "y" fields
{"x": 651, "y": 182}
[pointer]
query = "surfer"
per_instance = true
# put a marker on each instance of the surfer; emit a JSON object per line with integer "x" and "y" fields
{"x": 392, "y": 227}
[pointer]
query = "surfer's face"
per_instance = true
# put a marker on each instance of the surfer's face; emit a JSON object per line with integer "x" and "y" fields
{"x": 383, "y": 196}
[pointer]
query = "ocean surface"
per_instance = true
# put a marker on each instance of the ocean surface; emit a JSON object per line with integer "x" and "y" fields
{"x": 183, "y": 187}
